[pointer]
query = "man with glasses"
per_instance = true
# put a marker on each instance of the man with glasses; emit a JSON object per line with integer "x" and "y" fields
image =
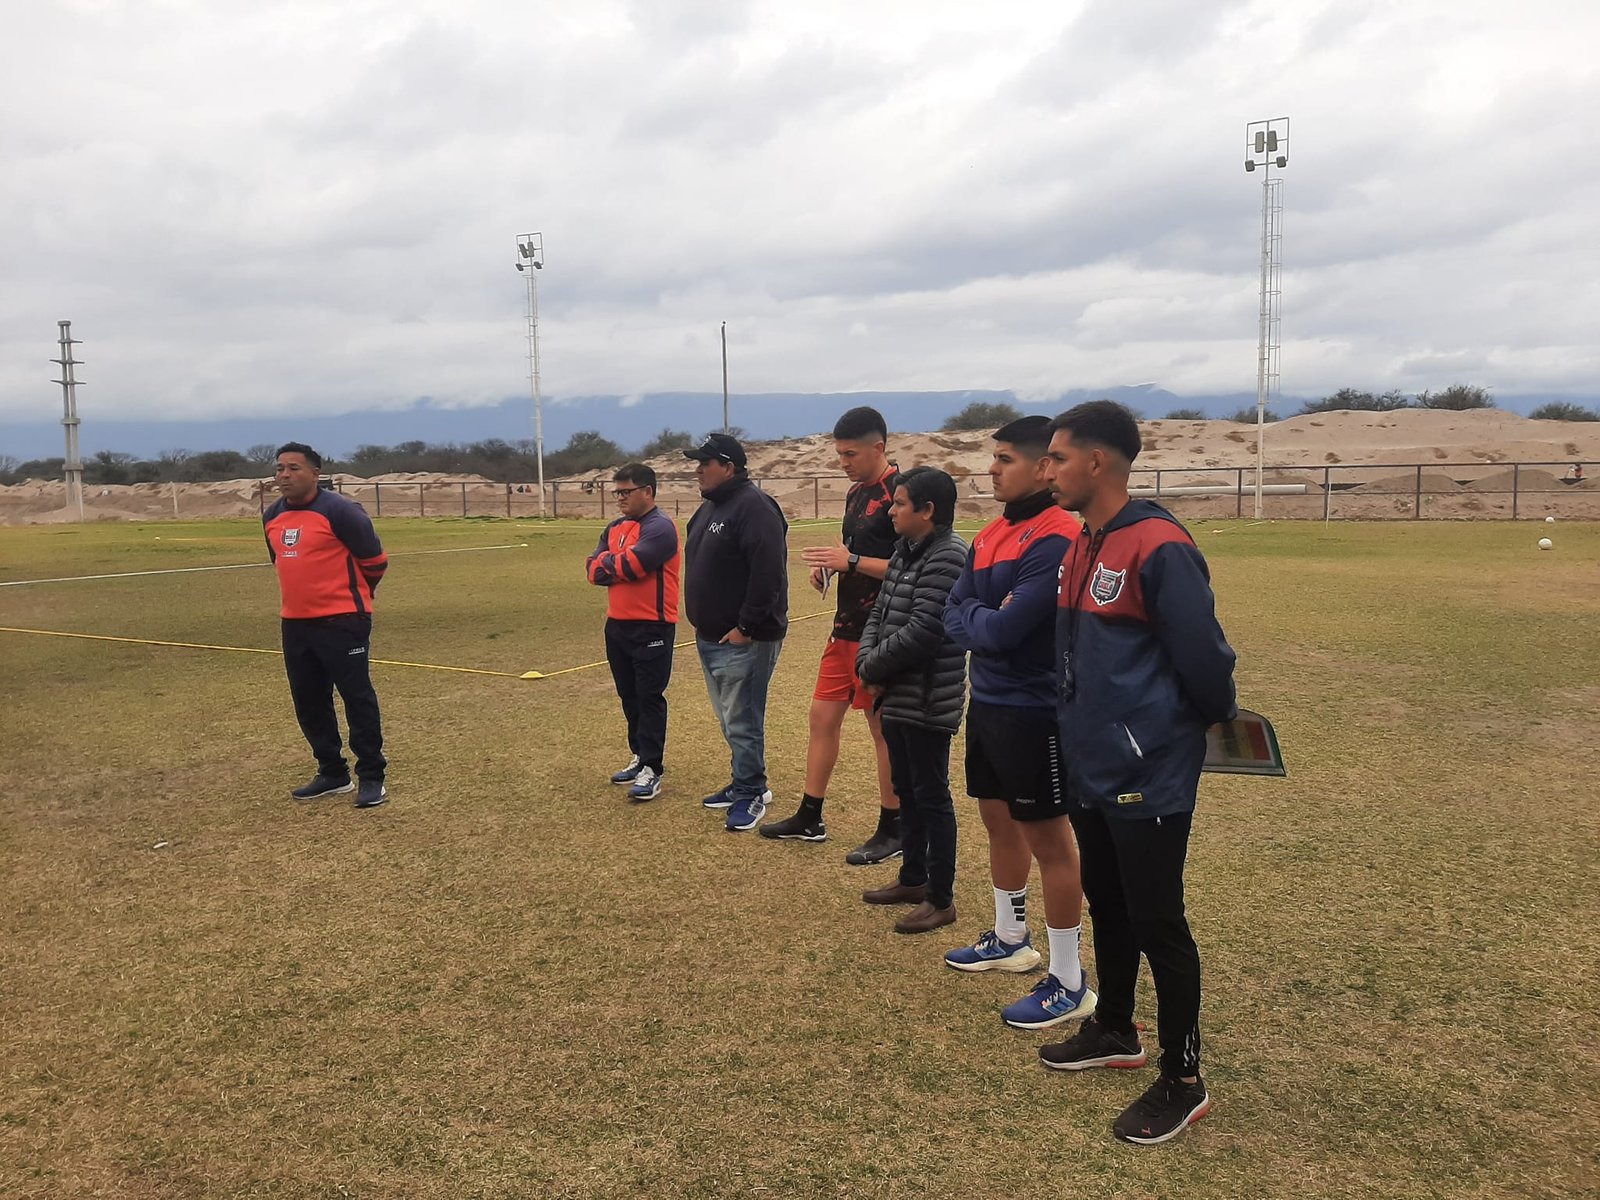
{"x": 637, "y": 562}
{"x": 737, "y": 599}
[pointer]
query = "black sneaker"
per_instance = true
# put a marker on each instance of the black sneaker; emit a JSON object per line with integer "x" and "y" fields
{"x": 1094, "y": 1046}
{"x": 1167, "y": 1108}
{"x": 805, "y": 826}
{"x": 880, "y": 847}
{"x": 324, "y": 785}
{"x": 371, "y": 794}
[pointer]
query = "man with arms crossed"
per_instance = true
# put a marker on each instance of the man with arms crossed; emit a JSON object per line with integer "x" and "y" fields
{"x": 737, "y": 597}
{"x": 1144, "y": 669}
{"x": 637, "y": 562}
{"x": 1003, "y": 611}
{"x": 329, "y": 563}
{"x": 857, "y": 563}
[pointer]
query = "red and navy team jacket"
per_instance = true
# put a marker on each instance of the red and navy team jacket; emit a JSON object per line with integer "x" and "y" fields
{"x": 1003, "y": 608}
{"x": 1143, "y": 665}
{"x": 639, "y": 563}
{"x": 327, "y": 555}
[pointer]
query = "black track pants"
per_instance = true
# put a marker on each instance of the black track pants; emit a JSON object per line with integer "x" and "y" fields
{"x": 640, "y": 655}
{"x": 324, "y": 653}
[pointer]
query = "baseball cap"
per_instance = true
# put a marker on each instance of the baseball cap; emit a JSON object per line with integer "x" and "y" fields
{"x": 718, "y": 445}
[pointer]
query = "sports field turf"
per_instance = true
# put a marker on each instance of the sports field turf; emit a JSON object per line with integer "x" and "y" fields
{"x": 508, "y": 982}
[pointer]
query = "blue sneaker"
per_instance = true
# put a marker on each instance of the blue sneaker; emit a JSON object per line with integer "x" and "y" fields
{"x": 628, "y": 773}
{"x": 1050, "y": 1003}
{"x": 646, "y": 786}
{"x": 989, "y": 953}
{"x": 744, "y": 814}
{"x": 718, "y": 799}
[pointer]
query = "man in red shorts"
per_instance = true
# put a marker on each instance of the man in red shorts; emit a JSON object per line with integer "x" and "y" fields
{"x": 855, "y": 565}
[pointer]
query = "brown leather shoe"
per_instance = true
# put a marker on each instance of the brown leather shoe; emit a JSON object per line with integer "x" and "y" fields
{"x": 896, "y": 893}
{"x": 925, "y": 917}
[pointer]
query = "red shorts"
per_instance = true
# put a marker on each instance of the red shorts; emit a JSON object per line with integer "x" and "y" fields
{"x": 836, "y": 677}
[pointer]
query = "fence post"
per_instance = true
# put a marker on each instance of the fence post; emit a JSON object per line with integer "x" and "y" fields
{"x": 377, "y": 497}
{"x": 1416, "y": 497}
{"x": 1238, "y": 510}
{"x": 555, "y": 498}
{"x": 1158, "y": 483}
{"x": 508, "y": 500}
{"x": 1516, "y": 488}
{"x": 816, "y": 500}
{"x": 422, "y": 499}
{"x": 463, "y": 499}
{"x": 1327, "y": 493}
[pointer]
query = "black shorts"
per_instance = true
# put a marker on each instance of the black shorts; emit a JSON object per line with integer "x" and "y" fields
{"x": 1014, "y": 754}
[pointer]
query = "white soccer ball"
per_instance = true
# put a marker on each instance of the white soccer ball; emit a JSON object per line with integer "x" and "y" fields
{"x": 1546, "y": 544}
{"x": 1549, "y": 520}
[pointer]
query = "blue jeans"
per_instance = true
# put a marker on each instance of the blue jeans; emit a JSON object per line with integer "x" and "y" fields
{"x": 736, "y": 680}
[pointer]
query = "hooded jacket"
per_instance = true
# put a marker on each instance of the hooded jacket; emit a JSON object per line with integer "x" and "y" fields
{"x": 904, "y": 646}
{"x": 1143, "y": 666}
{"x": 736, "y": 564}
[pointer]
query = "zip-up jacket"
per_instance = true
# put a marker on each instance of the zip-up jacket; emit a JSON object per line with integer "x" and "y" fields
{"x": 1003, "y": 608}
{"x": 1144, "y": 667}
{"x": 904, "y": 647}
{"x": 868, "y": 530}
{"x": 736, "y": 560}
{"x": 327, "y": 556}
{"x": 637, "y": 562}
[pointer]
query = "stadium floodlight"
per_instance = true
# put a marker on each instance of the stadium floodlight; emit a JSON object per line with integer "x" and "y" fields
{"x": 72, "y": 465}
{"x": 530, "y": 246}
{"x": 1267, "y": 146}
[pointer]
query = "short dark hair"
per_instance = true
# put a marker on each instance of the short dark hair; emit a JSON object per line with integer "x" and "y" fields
{"x": 1103, "y": 423}
{"x": 929, "y": 485}
{"x": 636, "y": 473}
{"x": 859, "y": 424}
{"x": 1027, "y": 433}
{"x": 311, "y": 455}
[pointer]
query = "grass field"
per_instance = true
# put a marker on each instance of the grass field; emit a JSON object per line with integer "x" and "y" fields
{"x": 508, "y": 982}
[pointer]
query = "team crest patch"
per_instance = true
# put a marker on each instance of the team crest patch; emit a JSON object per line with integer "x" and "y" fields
{"x": 1106, "y": 584}
{"x": 291, "y": 537}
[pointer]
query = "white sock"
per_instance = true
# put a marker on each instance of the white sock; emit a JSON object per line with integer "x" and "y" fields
{"x": 1011, "y": 914}
{"x": 1064, "y": 964}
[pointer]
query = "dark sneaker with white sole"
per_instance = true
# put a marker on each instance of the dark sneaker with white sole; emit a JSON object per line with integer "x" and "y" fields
{"x": 371, "y": 793}
{"x": 628, "y": 773}
{"x": 646, "y": 786}
{"x": 880, "y": 847}
{"x": 1094, "y": 1045}
{"x": 324, "y": 785}
{"x": 1167, "y": 1108}
{"x": 805, "y": 826}
{"x": 718, "y": 799}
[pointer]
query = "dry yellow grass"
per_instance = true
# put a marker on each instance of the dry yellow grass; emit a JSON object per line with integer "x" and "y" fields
{"x": 508, "y": 982}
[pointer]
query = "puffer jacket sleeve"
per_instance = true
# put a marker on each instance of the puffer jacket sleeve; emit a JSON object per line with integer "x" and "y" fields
{"x": 919, "y": 638}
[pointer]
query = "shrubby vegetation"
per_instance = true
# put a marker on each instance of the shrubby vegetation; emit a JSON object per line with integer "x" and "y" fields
{"x": 1564, "y": 411}
{"x": 982, "y": 415}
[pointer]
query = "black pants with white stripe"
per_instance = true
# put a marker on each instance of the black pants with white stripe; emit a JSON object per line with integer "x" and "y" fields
{"x": 640, "y": 656}
{"x": 1133, "y": 882}
{"x": 324, "y": 653}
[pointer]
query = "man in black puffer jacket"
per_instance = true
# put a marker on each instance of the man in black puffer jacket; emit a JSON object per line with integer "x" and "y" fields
{"x": 918, "y": 678}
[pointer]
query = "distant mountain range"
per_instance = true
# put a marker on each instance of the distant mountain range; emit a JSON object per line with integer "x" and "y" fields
{"x": 629, "y": 421}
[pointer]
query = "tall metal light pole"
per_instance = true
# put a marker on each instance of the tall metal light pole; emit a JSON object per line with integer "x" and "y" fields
{"x": 1267, "y": 146}
{"x": 73, "y": 465}
{"x": 530, "y": 261}
{"x": 724, "y": 377}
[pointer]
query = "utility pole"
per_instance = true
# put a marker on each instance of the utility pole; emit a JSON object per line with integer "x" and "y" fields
{"x": 73, "y": 467}
{"x": 1267, "y": 146}
{"x": 530, "y": 260}
{"x": 725, "y": 377}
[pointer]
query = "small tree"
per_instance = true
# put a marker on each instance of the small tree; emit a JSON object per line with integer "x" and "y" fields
{"x": 1561, "y": 410}
{"x": 1351, "y": 400}
{"x": 666, "y": 442}
{"x": 1247, "y": 416}
{"x": 1185, "y": 414}
{"x": 982, "y": 414}
{"x": 586, "y": 450}
{"x": 1458, "y": 397}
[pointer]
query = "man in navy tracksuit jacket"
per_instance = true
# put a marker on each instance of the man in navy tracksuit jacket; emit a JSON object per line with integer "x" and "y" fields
{"x": 1144, "y": 669}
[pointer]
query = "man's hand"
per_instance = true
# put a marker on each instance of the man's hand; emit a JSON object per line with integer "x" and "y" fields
{"x": 816, "y": 578}
{"x": 875, "y": 690}
{"x": 833, "y": 558}
{"x": 734, "y": 638}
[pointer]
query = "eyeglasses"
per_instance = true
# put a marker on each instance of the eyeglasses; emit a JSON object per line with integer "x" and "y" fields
{"x": 624, "y": 493}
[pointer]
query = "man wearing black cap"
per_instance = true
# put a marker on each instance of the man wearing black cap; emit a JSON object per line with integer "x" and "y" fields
{"x": 736, "y": 594}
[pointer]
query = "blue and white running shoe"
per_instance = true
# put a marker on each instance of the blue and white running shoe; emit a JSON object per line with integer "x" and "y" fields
{"x": 1050, "y": 1003}
{"x": 989, "y": 953}
{"x": 746, "y": 814}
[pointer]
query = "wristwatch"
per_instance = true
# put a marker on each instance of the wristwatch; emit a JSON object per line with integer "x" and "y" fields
{"x": 855, "y": 561}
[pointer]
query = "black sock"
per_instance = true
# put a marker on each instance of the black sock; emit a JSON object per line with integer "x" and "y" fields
{"x": 889, "y": 821}
{"x": 811, "y": 804}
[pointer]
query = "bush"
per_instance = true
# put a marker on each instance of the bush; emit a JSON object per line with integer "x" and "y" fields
{"x": 982, "y": 415}
{"x": 1564, "y": 411}
{"x": 1185, "y": 414}
{"x": 1350, "y": 400}
{"x": 667, "y": 441}
{"x": 1458, "y": 397}
{"x": 1247, "y": 416}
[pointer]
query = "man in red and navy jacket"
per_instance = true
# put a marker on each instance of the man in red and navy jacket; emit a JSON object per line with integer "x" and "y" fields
{"x": 1143, "y": 670}
{"x": 329, "y": 562}
{"x": 638, "y": 563}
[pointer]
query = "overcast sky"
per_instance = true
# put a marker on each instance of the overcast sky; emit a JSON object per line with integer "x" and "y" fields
{"x": 312, "y": 207}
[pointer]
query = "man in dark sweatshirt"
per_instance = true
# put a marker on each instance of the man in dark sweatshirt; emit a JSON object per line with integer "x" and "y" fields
{"x": 736, "y": 595}
{"x": 1143, "y": 670}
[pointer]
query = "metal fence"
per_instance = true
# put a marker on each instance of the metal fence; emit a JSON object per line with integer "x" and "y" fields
{"x": 1395, "y": 491}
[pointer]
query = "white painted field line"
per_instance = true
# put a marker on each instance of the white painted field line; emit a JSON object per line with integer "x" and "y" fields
{"x": 239, "y": 566}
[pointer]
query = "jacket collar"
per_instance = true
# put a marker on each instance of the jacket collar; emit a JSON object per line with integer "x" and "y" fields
{"x": 1028, "y": 507}
{"x": 726, "y": 489}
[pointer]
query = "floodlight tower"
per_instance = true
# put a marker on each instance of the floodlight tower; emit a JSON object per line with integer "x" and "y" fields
{"x": 73, "y": 466}
{"x": 530, "y": 261}
{"x": 1267, "y": 146}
